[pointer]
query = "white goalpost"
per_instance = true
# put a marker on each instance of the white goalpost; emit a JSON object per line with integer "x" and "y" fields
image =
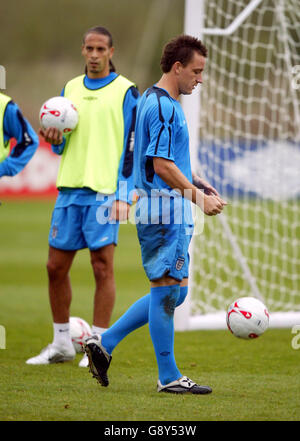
{"x": 244, "y": 124}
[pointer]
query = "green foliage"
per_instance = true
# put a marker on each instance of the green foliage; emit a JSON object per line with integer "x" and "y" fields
{"x": 251, "y": 380}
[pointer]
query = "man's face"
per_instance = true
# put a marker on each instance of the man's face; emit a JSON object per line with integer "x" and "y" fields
{"x": 190, "y": 76}
{"x": 97, "y": 53}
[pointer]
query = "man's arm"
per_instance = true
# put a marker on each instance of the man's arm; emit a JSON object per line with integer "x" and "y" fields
{"x": 121, "y": 207}
{"x": 204, "y": 185}
{"x": 16, "y": 126}
{"x": 167, "y": 170}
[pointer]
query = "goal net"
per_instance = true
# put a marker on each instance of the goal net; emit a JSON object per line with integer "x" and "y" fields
{"x": 245, "y": 137}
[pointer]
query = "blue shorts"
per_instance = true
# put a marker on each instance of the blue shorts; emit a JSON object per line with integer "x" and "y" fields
{"x": 164, "y": 249}
{"x": 75, "y": 227}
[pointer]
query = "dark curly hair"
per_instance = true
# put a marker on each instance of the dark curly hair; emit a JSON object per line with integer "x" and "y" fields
{"x": 181, "y": 49}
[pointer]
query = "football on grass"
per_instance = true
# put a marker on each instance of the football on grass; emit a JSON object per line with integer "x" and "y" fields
{"x": 79, "y": 331}
{"x": 247, "y": 318}
{"x": 59, "y": 112}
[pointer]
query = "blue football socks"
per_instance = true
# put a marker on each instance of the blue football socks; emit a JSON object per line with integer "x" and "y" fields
{"x": 161, "y": 326}
{"x": 135, "y": 317}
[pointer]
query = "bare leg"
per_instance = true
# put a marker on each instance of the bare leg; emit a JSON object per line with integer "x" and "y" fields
{"x": 103, "y": 266}
{"x": 60, "y": 293}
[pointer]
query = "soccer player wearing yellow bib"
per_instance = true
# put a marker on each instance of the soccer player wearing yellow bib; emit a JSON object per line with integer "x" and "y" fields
{"x": 94, "y": 178}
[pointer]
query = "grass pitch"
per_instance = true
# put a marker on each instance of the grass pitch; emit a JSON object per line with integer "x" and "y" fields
{"x": 251, "y": 380}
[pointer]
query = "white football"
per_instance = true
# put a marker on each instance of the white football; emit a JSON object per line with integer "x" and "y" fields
{"x": 247, "y": 318}
{"x": 79, "y": 331}
{"x": 59, "y": 112}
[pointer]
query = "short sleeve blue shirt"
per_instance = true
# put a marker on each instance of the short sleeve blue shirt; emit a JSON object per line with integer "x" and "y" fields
{"x": 160, "y": 131}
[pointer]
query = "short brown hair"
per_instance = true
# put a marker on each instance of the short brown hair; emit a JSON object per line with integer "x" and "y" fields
{"x": 181, "y": 49}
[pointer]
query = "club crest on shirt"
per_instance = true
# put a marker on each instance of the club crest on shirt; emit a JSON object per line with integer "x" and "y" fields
{"x": 179, "y": 263}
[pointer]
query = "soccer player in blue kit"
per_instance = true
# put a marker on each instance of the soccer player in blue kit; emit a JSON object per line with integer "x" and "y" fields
{"x": 163, "y": 173}
{"x": 14, "y": 125}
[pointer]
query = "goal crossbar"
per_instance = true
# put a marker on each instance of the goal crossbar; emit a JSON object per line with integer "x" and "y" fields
{"x": 237, "y": 22}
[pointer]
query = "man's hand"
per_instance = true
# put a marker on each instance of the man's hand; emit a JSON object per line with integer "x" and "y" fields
{"x": 120, "y": 211}
{"x": 212, "y": 204}
{"x": 52, "y": 135}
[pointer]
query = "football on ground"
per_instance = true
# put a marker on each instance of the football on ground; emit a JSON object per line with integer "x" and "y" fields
{"x": 79, "y": 331}
{"x": 247, "y": 318}
{"x": 59, "y": 112}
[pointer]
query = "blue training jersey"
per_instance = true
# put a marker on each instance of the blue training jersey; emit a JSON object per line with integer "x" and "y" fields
{"x": 161, "y": 131}
{"x": 82, "y": 196}
{"x": 16, "y": 126}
